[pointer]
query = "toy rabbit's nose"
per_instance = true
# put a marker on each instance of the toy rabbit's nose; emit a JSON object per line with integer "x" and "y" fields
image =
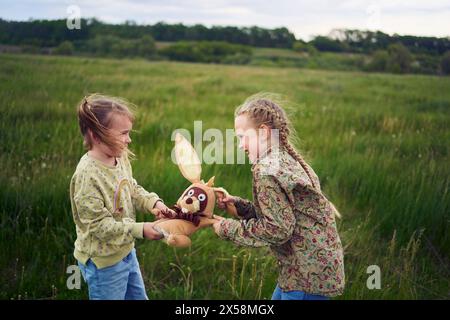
{"x": 189, "y": 201}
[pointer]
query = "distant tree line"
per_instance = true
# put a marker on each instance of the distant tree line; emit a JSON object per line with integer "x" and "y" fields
{"x": 357, "y": 41}
{"x": 394, "y": 54}
{"x": 372, "y": 51}
{"x": 50, "y": 33}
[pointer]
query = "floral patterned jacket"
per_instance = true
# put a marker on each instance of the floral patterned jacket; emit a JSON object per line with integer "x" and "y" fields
{"x": 296, "y": 221}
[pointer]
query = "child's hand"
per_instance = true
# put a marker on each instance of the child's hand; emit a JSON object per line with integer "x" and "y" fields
{"x": 150, "y": 233}
{"x": 161, "y": 207}
{"x": 216, "y": 225}
{"x": 223, "y": 200}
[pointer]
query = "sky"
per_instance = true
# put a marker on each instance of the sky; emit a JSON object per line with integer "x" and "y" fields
{"x": 305, "y": 19}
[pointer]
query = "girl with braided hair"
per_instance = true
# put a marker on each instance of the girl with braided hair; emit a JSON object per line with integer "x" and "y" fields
{"x": 289, "y": 212}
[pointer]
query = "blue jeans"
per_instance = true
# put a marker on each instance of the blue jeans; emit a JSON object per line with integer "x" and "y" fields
{"x": 279, "y": 294}
{"x": 117, "y": 282}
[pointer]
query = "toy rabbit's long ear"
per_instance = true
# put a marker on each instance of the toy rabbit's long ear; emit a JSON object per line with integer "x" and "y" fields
{"x": 187, "y": 159}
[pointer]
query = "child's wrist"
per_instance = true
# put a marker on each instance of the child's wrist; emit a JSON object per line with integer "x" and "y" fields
{"x": 156, "y": 203}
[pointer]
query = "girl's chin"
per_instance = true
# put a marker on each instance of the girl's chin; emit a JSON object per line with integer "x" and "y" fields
{"x": 116, "y": 155}
{"x": 121, "y": 153}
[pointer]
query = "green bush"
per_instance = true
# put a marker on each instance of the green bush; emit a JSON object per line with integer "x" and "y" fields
{"x": 64, "y": 48}
{"x": 400, "y": 59}
{"x": 117, "y": 47}
{"x": 379, "y": 61}
{"x": 397, "y": 59}
{"x": 207, "y": 51}
{"x": 30, "y": 49}
{"x": 146, "y": 47}
{"x": 300, "y": 46}
{"x": 425, "y": 64}
{"x": 237, "y": 58}
{"x": 102, "y": 45}
{"x": 445, "y": 63}
{"x": 326, "y": 44}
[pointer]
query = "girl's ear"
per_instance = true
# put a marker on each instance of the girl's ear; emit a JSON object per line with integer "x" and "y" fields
{"x": 265, "y": 129}
{"x": 92, "y": 136}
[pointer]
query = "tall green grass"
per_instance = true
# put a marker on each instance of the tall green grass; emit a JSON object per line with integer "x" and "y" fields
{"x": 379, "y": 144}
{"x": 285, "y": 58}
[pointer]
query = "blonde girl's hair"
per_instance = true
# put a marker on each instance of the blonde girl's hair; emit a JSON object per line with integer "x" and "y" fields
{"x": 265, "y": 108}
{"x": 95, "y": 113}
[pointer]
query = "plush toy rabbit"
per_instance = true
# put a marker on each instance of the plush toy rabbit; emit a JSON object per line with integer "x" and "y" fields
{"x": 195, "y": 208}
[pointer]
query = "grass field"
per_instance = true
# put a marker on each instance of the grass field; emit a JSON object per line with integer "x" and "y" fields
{"x": 285, "y": 58}
{"x": 288, "y": 58}
{"x": 379, "y": 143}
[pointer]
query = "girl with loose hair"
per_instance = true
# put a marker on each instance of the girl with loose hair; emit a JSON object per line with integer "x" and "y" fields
{"x": 104, "y": 198}
{"x": 289, "y": 212}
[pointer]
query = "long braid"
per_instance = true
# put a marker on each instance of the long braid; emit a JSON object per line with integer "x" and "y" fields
{"x": 266, "y": 112}
{"x": 284, "y": 133}
{"x": 279, "y": 120}
{"x": 294, "y": 154}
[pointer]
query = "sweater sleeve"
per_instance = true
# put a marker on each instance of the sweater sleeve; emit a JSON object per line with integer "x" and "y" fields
{"x": 143, "y": 200}
{"x": 275, "y": 224}
{"x": 92, "y": 215}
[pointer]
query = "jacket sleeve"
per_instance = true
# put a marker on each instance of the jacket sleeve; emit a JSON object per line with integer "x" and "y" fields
{"x": 245, "y": 208}
{"x": 275, "y": 224}
{"x": 92, "y": 215}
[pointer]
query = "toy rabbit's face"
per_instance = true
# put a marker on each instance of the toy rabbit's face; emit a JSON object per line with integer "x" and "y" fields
{"x": 198, "y": 197}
